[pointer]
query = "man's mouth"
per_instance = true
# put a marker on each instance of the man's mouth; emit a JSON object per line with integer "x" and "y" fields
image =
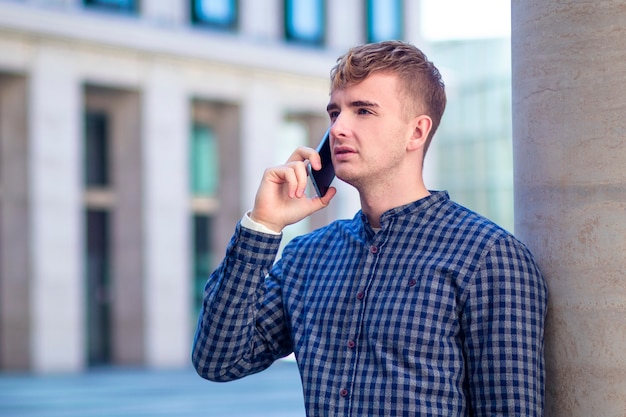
{"x": 343, "y": 150}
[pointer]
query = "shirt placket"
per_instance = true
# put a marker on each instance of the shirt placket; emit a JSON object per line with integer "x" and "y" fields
{"x": 353, "y": 349}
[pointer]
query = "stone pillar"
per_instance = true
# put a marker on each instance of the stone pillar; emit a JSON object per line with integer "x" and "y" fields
{"x": 569, "y": 137}
{"x": 167, "y": 257}
{"x": 55, "y": 214}
{"x": 165, "y": 12}
{"x": 344, "y": 25}
{"x": 261, "y": 20}
{"x": 260, "y": 120}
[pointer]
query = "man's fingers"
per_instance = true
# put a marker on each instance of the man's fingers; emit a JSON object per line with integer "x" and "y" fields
{"x": 294, "y": 175}
{"x": 304, "y": 154}
{"x": 302, "y": 176}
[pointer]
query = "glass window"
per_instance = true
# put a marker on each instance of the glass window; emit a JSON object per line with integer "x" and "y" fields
{"x": 221, "y": 14}
{"x": 204, "y": 161}
{"x": 474, "y": 147}
{"x": 126, "y": 6}
{"x": 384, "y": 20}
{"x": 305, "y": 21}
{"x": 96, "y": 157}
{"x": 98, "y": 287}
{"x": 202, "y": 254}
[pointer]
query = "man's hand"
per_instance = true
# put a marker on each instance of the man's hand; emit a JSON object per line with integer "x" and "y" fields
{"x": 281, "y": 198}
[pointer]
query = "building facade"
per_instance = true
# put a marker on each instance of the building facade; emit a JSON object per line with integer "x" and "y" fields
{"x": 133, "y": 135}
{"x": 473, "y": 152}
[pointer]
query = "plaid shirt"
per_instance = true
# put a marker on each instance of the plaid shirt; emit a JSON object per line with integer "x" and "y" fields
{"x": 440, "y": 313}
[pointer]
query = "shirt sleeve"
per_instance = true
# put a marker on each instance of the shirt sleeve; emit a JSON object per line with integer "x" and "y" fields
{"x": 503, "y": 321}
{"x": 242, "y": 328}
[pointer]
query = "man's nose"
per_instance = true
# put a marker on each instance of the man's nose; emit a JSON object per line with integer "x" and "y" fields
{"x": 340, "y": 127}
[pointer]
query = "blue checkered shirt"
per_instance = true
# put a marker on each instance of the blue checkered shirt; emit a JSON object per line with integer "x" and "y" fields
{"x": 440, "y": 313}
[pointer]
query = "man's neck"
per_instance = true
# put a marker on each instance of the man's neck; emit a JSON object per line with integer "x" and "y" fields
{"x": 376, "y": 202}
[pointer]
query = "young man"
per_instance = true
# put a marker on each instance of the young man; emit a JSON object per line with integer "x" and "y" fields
{"x": 416, "y": 306}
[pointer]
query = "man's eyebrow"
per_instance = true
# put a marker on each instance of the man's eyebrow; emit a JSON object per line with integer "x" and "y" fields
{"x": 361, "y": 103}
{"x": 356, "y": 103}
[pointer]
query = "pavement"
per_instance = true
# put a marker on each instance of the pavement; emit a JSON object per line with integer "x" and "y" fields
{"x": 120, "y": 392}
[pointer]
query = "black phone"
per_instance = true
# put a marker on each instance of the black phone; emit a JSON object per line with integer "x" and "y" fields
{"x": 321, "y": 179}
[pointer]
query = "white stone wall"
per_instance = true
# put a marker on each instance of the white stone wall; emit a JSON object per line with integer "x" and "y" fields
{"x": 54, "y": 169}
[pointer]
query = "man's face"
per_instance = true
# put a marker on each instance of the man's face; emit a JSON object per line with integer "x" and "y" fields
{"x": 369, "y": 131}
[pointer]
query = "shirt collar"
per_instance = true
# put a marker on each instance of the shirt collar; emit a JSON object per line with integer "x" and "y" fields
{"x": 435, "y": 197}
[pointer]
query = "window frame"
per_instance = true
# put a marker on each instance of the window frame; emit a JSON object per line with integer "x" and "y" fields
{"x": 370, "y": 21}
{"x": 97, "y": 149}
{"x": 132, "y": 9}
{"x": 290, "y": 32}
{"x": 230, "y": 25}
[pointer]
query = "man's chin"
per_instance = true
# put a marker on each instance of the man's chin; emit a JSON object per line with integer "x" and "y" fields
{"x": 347, "y": 178}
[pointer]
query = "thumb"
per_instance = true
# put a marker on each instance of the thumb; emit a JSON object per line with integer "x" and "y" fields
{"x": 322, "y": 202}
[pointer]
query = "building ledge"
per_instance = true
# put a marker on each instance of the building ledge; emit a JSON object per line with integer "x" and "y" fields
{"x": 144, "y": 36}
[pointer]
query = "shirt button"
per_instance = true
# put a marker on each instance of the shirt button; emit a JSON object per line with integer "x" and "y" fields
{"x": 360, "y": 295}
{"x": 351, "y": 344}
{"x": 412, "y": 282}
{"x": 373, "y": 249}
{"x": 343, "y": 392}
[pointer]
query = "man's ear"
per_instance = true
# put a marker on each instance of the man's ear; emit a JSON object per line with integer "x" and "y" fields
{"x": 421, "y": 128}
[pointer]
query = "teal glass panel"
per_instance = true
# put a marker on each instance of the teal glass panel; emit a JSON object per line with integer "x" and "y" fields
{"x": 204, "y": 161}
{"x": 123, "y": 6}
{"x": 384, "y": 20}
{"x": 217, "y": 14}
{"x": 305, "y": 21}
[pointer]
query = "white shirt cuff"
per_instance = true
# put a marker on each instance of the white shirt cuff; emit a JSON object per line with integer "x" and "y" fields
{"x": 248, "y": 223}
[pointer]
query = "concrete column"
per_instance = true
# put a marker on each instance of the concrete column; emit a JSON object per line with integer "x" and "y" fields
{"x": 569, "y": 129}
{"x": 165, "y": 12}
{"x": 261, "y": 20}
{"x": 260, "y": 122}
{"x": 15, "y": 340}
{"x": 166, "y": 127}
{"x": 412, "y": 26}
{"x": 55, "y": 174}
{"x": 345, "y": 24}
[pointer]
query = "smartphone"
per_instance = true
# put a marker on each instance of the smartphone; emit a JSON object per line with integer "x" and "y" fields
{"x": 321, "y": 179}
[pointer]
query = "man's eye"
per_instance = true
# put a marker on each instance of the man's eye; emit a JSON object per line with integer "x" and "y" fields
{"x": 363, "y": 111}
{"x": 333, "y": 114}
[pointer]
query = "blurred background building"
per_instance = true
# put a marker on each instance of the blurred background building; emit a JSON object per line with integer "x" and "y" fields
{"x": 133, "y": 136}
